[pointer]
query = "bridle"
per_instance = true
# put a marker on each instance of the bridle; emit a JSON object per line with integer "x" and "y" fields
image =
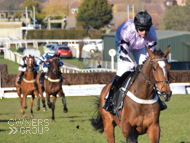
{"x": 49, "y": 65}
{"x": 30, "y": 67}
{"x": 154, "y": 81}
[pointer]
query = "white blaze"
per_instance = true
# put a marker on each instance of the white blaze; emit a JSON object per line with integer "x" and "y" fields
{"x": 30, "y": 61}
{"x": 162, "y": 65}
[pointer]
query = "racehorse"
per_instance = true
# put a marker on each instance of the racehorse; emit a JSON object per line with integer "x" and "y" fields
{"x": 140, "y": 111}
{"x": 52, "y": 85}
{"x": 28, "y": 86}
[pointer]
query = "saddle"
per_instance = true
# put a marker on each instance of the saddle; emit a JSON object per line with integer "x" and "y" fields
{"x": 124, "y": 84}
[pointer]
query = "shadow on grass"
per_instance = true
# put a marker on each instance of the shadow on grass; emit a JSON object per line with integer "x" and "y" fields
{"x": 78, "y": 120}
{"x": 4, "y": 120}
{"x": 2, "y": 130}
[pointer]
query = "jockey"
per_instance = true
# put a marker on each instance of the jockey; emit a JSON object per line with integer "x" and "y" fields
{"x": 47, "y": 56}
{"x": 133, "y": 35}
{"x": 23, "y": 66}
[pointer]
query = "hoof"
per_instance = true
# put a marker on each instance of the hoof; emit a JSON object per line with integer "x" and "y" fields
{"x": 38, "y": 108}
{"x": 31, "y": 115}
{"x": 44, "y": 109}
{"x": 53, "y": 121}
{"x": 22, "y": 113}
{"x": 49, "y": 104}
{"x": 65, "y": 110}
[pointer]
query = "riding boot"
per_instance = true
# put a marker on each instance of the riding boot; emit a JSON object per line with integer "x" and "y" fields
{"x": 41, "y": 79}
{"x": 35, "y": 74}
{"x": 20, "y": 77}
{"x": 108, "y": 104}
{"x": 163, "y": 106}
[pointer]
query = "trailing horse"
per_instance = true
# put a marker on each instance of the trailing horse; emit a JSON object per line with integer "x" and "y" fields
{"x": 28, "y": 86}
{"x": 52, "y": 85}
{"x": 140, "y": 111}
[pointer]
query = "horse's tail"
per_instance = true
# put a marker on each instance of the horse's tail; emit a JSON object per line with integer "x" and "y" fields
{"x": 96, "y": 120}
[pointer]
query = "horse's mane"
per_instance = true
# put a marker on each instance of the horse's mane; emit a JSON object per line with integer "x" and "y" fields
{"x": 157, "y": 52}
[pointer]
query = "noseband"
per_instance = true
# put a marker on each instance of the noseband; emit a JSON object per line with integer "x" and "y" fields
{"x": 154, "y": 81}
{"x": 31, "y": 66}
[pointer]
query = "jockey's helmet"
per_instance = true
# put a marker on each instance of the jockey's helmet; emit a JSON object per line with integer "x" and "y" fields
{"x": 143, "y": 20}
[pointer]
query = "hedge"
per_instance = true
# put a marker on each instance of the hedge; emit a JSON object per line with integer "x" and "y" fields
{"x": 64, "y": 34}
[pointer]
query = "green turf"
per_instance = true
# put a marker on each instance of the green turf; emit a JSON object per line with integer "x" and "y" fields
{"x": 174, "y": 122}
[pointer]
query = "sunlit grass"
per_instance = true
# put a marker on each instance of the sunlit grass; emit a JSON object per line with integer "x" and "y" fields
{"x": 75, "y": 126}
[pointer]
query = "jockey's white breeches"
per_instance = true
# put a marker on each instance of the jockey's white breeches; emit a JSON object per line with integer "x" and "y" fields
{"x": 21, "y": 69}
{"x": 45, "y": 69}
{"x": 123, "y": 66}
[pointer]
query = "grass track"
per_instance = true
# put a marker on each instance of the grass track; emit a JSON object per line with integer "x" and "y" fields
{"x": 175, "y": 122}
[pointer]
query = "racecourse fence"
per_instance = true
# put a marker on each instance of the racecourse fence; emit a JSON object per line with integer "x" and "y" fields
{"x": 16, "y": 57}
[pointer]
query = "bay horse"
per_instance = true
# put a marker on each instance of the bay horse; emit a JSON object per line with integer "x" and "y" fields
{"x": 28, "y": 86}
{"x": 52, "y": 85}
{"x": 140, "y": 111}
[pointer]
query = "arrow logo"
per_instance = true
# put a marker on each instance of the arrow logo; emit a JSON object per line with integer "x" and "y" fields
{"x": 12, "y": 130}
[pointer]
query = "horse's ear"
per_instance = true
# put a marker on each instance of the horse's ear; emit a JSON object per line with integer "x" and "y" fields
{"x": 149, "y": 51}
{"x": 166, "y": 52}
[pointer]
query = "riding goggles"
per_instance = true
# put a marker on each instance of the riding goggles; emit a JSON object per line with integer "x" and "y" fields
{"x": 143, "y": 29}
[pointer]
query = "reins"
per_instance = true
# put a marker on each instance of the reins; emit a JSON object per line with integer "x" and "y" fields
{"x": 154, "y": 81}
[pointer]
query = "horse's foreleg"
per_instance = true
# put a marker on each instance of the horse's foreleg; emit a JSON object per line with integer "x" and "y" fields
{"x": 48, "y": 100}
{"x": 31, "y": 105}
{"x": 62, "y": 94}
{"x": 38, "y": 100}
{"x": 53, "y": 108}
{"x": 154, "y": 133}
{"x": 20, "y": 99}
{"x": 24, "y": 98}
{"x": 130, "y": 136}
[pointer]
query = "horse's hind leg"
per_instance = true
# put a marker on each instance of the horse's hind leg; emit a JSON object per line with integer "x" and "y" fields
{"x": 62, "y": 94}
{"x": 108, "y": 128}
{"x": 38, "y": 98}
{"x": 31, "y": 105}
{"x": 18, "y": 90}
{"x": 42, "y": 97}
{"x": 53, "y": 108}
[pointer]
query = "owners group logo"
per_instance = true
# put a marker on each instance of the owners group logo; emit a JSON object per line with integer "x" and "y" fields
{"x": 24, "y": 126}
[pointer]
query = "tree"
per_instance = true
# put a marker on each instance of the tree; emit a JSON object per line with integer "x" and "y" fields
{"x": 94, "y": 13}
{"x": 58, "y": 8}
{"x": 176, "y": 18}
{"x": 29, "y": 4}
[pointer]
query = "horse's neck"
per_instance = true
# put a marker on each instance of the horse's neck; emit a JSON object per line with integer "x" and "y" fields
{"x": 29, "y": 75}
{"x": 143, "y": 88}
{"x": 51, "y": 74}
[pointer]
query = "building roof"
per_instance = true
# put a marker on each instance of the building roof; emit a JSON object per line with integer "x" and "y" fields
{"x": 162, "y": 34}
{"x": 117, "y": 17}
{"x": 154, "y": 8}
{"x": 75, "y": 4}
{"x": 119, "y": 1}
